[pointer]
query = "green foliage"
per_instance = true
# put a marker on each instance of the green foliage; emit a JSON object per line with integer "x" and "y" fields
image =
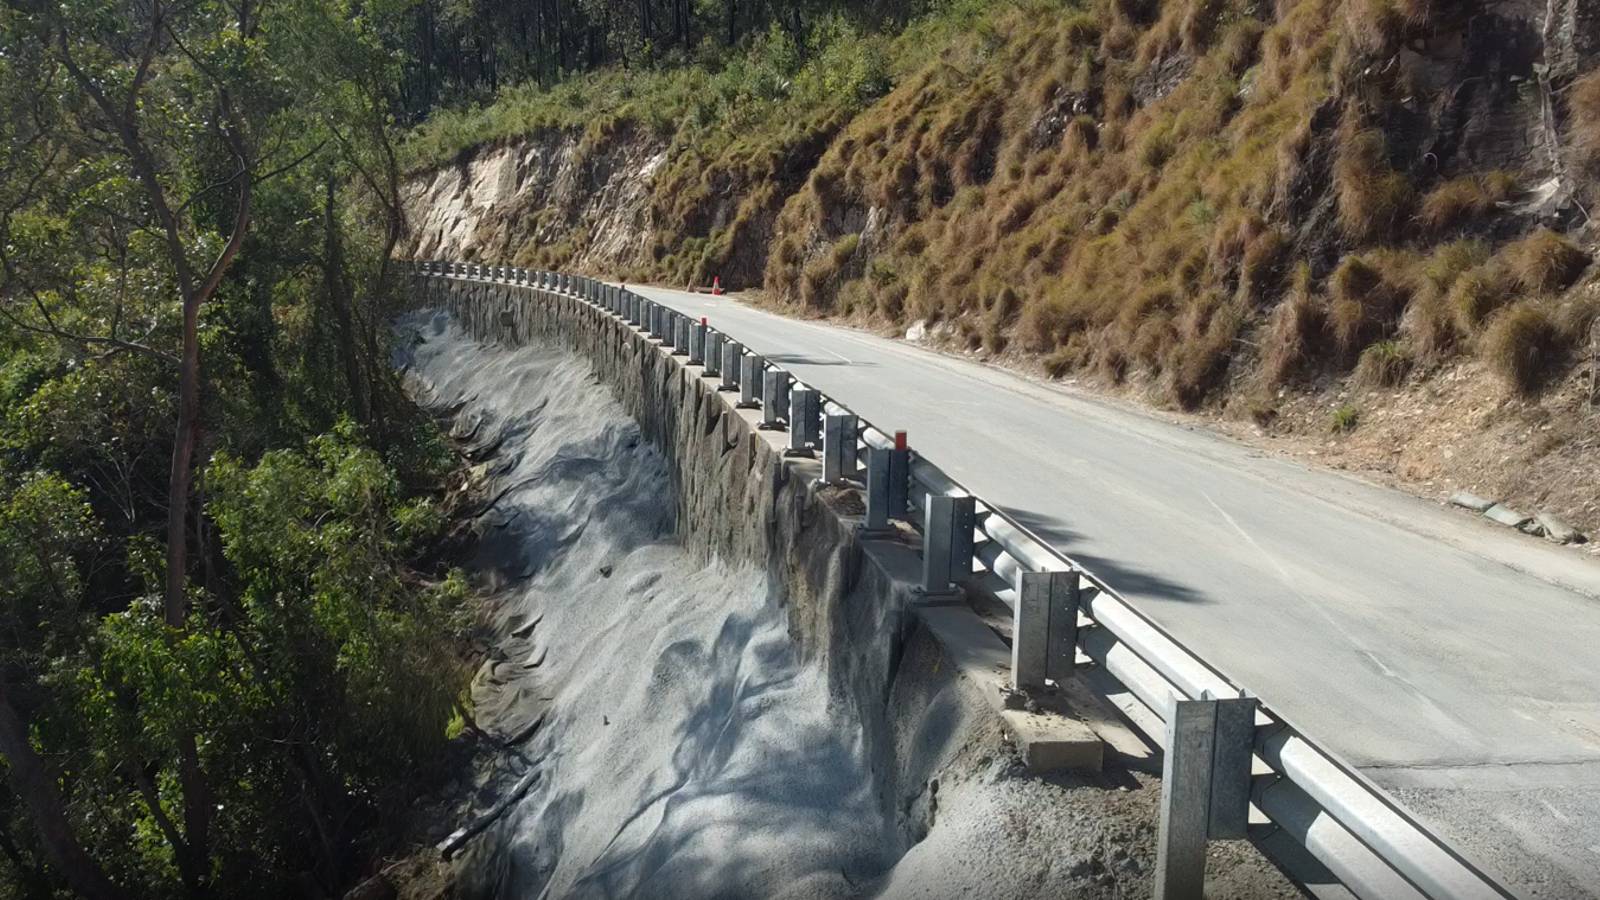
{"x": 305, "y": 686}
{"x": 1344, "y": 419}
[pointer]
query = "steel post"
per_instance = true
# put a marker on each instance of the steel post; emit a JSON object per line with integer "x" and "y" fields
{"x": 774, "y": 398}
{"x": 732, "y": 363}
{"x": 1044, "y": 632}
{"x": 750, "y": 381}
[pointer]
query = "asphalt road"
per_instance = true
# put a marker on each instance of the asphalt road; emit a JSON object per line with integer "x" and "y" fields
{"x": 1452, "y": 660}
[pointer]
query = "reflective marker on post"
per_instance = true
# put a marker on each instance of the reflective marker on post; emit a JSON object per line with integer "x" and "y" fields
{"x": 899, "y": 476}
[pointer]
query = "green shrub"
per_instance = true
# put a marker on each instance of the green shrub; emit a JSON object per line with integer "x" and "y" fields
{"x": 1384, "y": 364}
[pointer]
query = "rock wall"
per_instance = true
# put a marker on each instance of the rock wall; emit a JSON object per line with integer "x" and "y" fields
{"x": 548, "y": 189}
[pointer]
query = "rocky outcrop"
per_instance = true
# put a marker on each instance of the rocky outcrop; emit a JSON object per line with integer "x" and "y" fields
{"x": 590, "y": 202}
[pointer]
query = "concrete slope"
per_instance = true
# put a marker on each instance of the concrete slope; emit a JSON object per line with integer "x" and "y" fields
{"x": 1454, "y": 661}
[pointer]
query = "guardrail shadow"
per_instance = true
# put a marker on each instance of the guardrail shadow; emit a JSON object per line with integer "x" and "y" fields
{"x": 1129, "y": 581}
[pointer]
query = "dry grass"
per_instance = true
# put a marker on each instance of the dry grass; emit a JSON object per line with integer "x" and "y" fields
{"x": 1523, "y": 344}
{"x": 1544, "y": 261}
{"x": 1368, "y": 295}
{"x": 1583, "y": 128}
{"x": 1477, "y": 293}
{"x": 1297, "y": 332}
{"x": 1384, "y": 364}
{"x": 1462, "y": 201}
{"x": 1131, "y": 187}
{"x": 1373, "y": 198}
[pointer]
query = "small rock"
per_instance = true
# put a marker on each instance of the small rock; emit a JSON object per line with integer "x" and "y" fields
{"x": 1505, "y": 515}
{"x": 1470, "y": 501}
{"x": 917, "y": 332}
{"x": 605, "y": 571}
{"x": 1559, "y": 531}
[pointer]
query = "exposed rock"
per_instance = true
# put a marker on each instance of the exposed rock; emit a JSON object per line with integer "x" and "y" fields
{"x": 1559, "y": 531}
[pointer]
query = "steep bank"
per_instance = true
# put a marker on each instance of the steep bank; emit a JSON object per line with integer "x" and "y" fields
{"x": 729, "y": 702}
{"x": 1335, "y": 225}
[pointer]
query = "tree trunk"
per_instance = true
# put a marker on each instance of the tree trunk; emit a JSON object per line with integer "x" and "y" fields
{"x": 32, "y": 782}
{"x": 337, "y": 283}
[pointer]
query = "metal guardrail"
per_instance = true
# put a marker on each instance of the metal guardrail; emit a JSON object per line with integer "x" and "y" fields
{"x": 1364, "y": 837}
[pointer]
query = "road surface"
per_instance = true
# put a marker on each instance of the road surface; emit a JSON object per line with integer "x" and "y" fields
{"x": 1455, "y": 662}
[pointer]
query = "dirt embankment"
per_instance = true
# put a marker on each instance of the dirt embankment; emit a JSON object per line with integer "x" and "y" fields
{"x": 1357, "y": 230}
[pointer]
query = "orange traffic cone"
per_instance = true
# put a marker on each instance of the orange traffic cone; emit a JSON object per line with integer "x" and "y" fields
{"x": 716, "y": 285}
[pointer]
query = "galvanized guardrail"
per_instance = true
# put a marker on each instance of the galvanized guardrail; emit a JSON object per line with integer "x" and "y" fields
{"x": 1224, "y": 751}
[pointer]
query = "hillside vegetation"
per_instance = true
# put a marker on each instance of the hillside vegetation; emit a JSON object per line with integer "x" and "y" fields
{"x": 1194, "y": 191}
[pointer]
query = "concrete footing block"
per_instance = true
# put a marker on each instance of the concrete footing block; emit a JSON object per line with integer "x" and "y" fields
{"x": 1047, "y": 741}
{"x": 1468, "y": 500}
{"x": 1505, "y": 515}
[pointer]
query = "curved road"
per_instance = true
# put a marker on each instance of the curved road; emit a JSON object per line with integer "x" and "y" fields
{"x": 1455, "y": 662}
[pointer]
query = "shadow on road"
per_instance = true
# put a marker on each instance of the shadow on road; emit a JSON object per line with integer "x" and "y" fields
{"x": 1129, "y": 581}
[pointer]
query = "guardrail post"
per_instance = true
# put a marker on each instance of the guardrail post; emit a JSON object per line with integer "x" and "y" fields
{"x": 774, "y": 399}
{"x": 683, "y": 335}
{"x": 750, "y": 381}
{"x": 697, "y": 343}
{"x": 732, "y": 359}
{"x": 712, "y": 351}
{"x": 1044, "y": 632}
{"x": 1205, "y": 788}
{"x": 899, "y": 476}
{"x": 878, "y": 489}
{"x": 803, "y": 406}
{"x": 947, "y": 539}
{"x": 839, "y": 447}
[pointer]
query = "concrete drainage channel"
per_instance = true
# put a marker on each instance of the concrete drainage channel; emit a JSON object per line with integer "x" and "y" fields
{"x": 1085, "y": 675}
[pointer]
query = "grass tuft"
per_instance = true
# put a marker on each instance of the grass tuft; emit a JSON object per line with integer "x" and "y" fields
{"x": 1477, "y": 293}
{"x": 1384, "y": 364}
{"x": 1344, "y": 419}
{"x": 1365, "y": 303}
{"x": 1522, "y": 344}
{"x": 1583, "y": 128}
{"x": 1373, "y": 199}
{"x": 1545, "y": 261}
{"x": 1462, "y": 201}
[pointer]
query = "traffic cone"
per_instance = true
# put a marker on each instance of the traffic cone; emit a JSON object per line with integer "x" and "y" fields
{"x": 716, "y": 285}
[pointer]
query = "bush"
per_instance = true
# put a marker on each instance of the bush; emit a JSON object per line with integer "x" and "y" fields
{"x": 1545, "y": 261}
{"x": 1523, "y": 344}
{"x": 1344, "y": 419}
{"x": 1384, "y": 364}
